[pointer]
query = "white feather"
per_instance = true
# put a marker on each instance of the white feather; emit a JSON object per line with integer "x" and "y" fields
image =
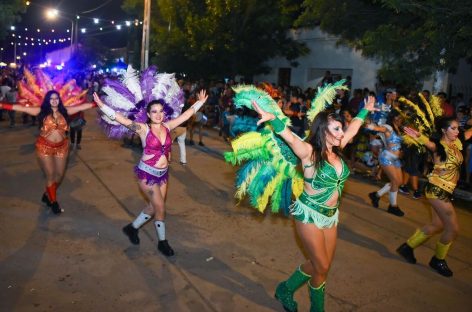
{"x": 163, "y": 85}
{"x": 131, "y": 81}
{"x": 116, "y": 100}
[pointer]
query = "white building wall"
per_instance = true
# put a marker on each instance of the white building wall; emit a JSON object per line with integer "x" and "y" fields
{"x": 324, "y": 55}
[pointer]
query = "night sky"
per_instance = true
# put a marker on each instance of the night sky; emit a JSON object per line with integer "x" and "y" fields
{"x": 35, "y": 18}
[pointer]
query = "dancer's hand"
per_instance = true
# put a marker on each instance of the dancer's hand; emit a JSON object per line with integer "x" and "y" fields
{"x": 202, "y": 96}
{"x": 411, "y": 132}
{"x": 369, "y": 103}
{"x": 265, "y": 116}
{"x": 97, "y": 100}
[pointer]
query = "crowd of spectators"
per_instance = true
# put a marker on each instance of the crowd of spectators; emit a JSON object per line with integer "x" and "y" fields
{"x": 219, "y": 113}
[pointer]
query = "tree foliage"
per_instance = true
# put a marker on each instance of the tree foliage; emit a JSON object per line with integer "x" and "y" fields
{"x": 220, "y": 38}
{"x": 9, "y": 10}
{"x": 411, "y": 38}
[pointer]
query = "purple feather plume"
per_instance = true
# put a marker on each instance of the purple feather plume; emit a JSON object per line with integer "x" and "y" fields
{"x": 121, "y": 89}
{"x": 148, "y": 81}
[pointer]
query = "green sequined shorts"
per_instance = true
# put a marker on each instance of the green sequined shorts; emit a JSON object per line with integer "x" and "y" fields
{"x": 435, "y": 192}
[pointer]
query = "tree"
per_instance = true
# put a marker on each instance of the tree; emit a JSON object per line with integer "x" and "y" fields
{"x": 413, "y": 39}
{"x": 217, "y": 39}
{"x": 9, "y": 10}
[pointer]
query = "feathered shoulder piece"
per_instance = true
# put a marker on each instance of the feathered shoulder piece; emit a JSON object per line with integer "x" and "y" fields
{"x": 245, "y": 94}
{"x": 34, "y": 87}
{"x": 131, "y": 95}
{"x": 422, "y": 118}
{"x": 324, "y": 97}
{"x": 268, "y": 173}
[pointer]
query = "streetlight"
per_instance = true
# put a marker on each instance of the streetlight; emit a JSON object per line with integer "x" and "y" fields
{"x": 52, "y": 14}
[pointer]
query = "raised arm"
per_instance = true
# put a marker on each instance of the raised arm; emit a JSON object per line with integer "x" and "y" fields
{"x": 358, "y": 121}
{"x": 30, "y": 110}
{"x": 78, "y": 108}
{"x": 299, "y": 147}
{"x": 201, "y": 99}
{"x": 420, "y": 138}
{"x": 110, "y": 113}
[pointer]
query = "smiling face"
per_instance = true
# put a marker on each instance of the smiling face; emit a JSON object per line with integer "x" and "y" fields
{"x": 54, "y": 100}
{"x": 452, "y": 132}
{"x": 156, "y": 113}
{"x": 334, "y": 133}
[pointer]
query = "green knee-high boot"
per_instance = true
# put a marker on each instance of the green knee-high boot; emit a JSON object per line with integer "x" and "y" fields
{"x": 317, "y": 297}
{"x": 286, "y": 289}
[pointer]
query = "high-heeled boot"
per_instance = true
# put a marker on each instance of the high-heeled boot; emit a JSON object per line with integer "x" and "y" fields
{"x": 317, "y": 297}
{"x": 286, "y": 289}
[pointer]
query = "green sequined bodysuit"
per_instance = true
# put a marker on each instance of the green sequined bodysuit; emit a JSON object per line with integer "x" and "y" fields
{"x": 312, "y": 208}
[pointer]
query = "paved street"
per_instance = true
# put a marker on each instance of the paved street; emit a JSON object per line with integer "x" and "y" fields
{"x": 228, "y": 256}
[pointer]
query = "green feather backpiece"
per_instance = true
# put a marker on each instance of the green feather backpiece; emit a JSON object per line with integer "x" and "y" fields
{"x": 245, "y": 94}
{"x": 324, "y": 97}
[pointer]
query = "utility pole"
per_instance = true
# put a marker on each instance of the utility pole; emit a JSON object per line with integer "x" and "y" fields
{"x": 145, "y": 40}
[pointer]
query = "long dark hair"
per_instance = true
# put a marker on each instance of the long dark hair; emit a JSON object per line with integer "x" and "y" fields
{"x": 168, "y": 111}
{"x": 317, "y": 139}
{"x": 441, "y": 124}
{"x": 390, "y": 120}
{"x": 46, "y": 108}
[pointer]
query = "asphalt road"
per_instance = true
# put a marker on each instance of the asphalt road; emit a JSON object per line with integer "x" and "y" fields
{"x": 228, "y": 256}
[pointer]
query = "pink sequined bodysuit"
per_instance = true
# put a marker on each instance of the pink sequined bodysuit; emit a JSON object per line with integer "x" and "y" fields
{"x": 153, "y": 146}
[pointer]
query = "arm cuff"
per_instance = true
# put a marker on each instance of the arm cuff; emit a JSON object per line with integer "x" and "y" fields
{"x": 278, "y": 125}
{"x": 362, "y": 114}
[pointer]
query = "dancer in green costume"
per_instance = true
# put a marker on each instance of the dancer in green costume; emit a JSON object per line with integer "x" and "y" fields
{"x": 316, "y": 209}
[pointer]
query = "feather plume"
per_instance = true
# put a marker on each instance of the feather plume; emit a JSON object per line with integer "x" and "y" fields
{"x": 417, "y": 110}
{"x": 131, "y": 81}
{"x": 245, "y": 94}
{"x": 428, "y": 108}
{"x": 435, "y": 103}
{"x": 148, "y": 80}
{"x": 117, "y": 100}
{"x": 324, "y": 97}
{"x": 169, "y": 90}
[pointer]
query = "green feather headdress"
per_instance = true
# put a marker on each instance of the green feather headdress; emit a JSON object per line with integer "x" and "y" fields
{"x": 245, "y": 94}
{"x": 324, "y": 97}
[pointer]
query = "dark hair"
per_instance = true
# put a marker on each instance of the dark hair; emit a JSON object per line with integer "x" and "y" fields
{"x": 441, "y": 124}
{"x": 317, "y": 138}
{"x": 46, "y": 108}
{"x": 391, "y": 116}
{"x": 168, "y": 111}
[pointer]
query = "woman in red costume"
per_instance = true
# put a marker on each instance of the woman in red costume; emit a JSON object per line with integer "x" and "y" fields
{"x": 52, "y": 146}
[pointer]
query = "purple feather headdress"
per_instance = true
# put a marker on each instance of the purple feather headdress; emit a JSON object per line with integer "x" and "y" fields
{"x": 133, "y": 93}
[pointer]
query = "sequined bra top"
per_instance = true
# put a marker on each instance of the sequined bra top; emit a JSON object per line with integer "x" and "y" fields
{"x": 394, "y": 141}
{"x": 326, "y": 182}
{"x": 153, "y": 146}
{"x": 446, "y": 174}
{"x": 50, "y": 124}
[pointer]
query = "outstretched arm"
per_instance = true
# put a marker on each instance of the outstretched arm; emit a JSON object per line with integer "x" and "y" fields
{"x": 201, "y": 99}
{"x": 300, "y": 148}
{"x": 71, "y": 110}
{"x": 110, "y": 113}
{"x": 358, "y": 121}
{"x": 420, "y": 138}
{"x": 33, "y": 111}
